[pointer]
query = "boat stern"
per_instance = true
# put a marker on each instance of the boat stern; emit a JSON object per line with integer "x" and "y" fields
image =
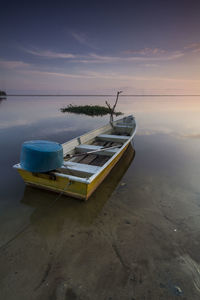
{"x": 56, "y": 182}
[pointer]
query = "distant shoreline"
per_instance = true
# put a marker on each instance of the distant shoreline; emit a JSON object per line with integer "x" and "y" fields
{"x": 106, "y": 95}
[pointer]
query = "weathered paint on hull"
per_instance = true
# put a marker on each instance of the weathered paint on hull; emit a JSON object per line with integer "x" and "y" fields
{"x": 66, "y": 186}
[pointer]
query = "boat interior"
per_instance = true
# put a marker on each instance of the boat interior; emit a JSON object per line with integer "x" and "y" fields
{"x": 86, "y": 159}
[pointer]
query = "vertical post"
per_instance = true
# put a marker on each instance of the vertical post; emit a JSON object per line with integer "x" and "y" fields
{"x": 112, "y": 110}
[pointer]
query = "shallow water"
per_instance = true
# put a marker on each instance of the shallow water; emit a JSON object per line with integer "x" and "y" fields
{"x": 138, "y": 237}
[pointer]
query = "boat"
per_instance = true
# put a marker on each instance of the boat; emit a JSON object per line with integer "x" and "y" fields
{"x": 87, "y": 160}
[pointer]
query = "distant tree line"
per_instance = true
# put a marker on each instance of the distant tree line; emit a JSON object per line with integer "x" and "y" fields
{"x": 2, "y": 93}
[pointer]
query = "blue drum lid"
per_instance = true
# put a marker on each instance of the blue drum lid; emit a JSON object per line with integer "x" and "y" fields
{"x": 41, "y": 156}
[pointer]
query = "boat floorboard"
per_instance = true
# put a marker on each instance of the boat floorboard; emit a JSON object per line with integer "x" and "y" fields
{"x": 94, "y": 159}
{"x": 100, "y": 160}
{"x": 99, "y": 143}
{"x": 88, "y": 159}
{"x": 76, "y": 159}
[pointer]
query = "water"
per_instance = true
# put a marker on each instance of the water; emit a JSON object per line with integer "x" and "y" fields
{"x": 138, "y": 235}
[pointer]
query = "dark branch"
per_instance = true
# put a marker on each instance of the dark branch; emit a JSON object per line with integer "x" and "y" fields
{"x": 118, "y": 93}
{"x": 112, "y": 110}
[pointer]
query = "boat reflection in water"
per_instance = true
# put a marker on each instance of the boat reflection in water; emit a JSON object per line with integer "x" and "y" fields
{"x": 51, "y": 212}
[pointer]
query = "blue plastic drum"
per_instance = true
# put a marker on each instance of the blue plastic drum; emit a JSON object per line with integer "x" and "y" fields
{"x": 41, "y": 156}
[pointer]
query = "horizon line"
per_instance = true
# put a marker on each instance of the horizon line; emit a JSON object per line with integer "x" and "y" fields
{"x": 100, "y": 95}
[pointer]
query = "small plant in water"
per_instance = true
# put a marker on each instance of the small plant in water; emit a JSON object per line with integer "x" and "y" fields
{"x": 94, "y": 110}
{"x": 89, "y": 110}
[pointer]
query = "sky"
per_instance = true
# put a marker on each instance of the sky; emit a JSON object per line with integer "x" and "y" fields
{"x": 98, "y": 47}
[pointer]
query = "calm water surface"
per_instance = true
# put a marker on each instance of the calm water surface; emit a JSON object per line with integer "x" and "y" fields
{"x": 138, "y": 237}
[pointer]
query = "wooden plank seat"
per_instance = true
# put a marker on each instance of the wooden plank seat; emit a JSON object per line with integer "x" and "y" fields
{"x": 87, "y": 148}
{"x": 78, "y": 169}
{"x": 113, "y": 138}
{"x": 123, "y": 126}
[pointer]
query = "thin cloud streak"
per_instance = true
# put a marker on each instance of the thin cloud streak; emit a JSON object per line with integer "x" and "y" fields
{"x": 196, "y": 50}
{"x": 151, "y": 65}
{"x": 29, "y": 69}
{"x": 98, "y": 59}
{"x": 50, "y": 54}
{"x": 94, "y": 58}
{"x": 112, "y": 76}
{"x": 12, "y": 64}
{"x": 147, "y": 51}
{"x": 82, "y": 38}
{"x": 194, "y": 47}
{"x": 56, "y": 74}
{"x": 141, "y": 55}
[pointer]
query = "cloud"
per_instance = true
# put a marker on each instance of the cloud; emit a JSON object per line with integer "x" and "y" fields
{"x": 147, "y": 51}
{"x": 194, "y": 47}
{"x": 12, "y": 64}
{"x": 151, "y": 65}
{"x": 57, "y": 74}
{"x": 108, "y": 76}
{"x": 82, "y": 38}
{"x": 191, "y": 136}
{"x": 93, "y": 58}
{"x": 196, "y": 50}
{"x": 155, "y": 55}
{"x": 50, "y": 54}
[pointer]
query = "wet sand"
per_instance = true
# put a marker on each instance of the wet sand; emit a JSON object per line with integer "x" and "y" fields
{"x": 131, "y": 241}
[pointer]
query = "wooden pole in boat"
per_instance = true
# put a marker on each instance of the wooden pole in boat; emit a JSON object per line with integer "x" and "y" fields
{"x": 90, "y": 152}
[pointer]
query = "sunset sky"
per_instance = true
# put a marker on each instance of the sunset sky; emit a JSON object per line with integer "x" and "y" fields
{"x": 140, "y": 47}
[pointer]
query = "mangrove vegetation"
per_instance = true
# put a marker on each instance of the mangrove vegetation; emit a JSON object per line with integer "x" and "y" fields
{"x": 89, "y": 110}
{"x": 2, "y": 94}
{"x": 94, "y": 110}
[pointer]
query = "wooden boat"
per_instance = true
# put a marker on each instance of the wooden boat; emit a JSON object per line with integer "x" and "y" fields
{"x": 88, "y": 159}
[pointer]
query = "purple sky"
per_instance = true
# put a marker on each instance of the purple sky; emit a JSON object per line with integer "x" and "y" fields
{"x": 140, "y": 47}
